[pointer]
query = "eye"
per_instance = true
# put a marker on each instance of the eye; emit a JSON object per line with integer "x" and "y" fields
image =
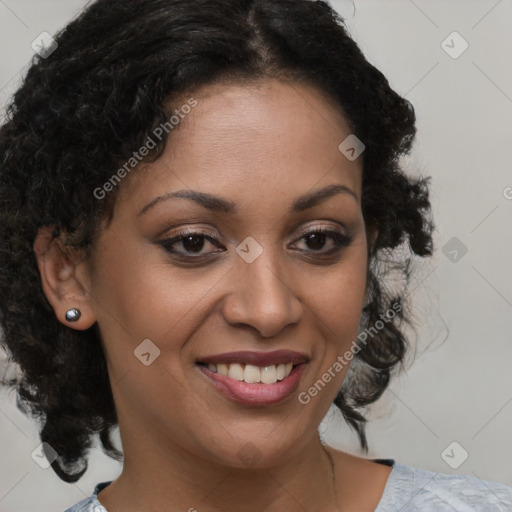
{"x": 190, "y": 245}
{"x": 194, "y": 244}
{"x": 318, "y": 238}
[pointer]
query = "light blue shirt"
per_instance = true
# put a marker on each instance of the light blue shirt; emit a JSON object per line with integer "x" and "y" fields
{"x": 408, "y": 489}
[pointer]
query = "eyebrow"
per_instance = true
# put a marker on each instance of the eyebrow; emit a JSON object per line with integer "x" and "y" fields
{"x": 219, "y": 204}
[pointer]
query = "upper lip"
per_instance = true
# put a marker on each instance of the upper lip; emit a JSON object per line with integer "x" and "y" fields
{"x": 257, "y": 358}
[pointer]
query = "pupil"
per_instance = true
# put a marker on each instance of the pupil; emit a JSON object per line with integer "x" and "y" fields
{"x": 318, "y": 240}
{"x": 193, "y": 243}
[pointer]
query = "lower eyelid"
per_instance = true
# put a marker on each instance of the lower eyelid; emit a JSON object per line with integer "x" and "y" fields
{"x": 339, "y": 245}
{"x": 340, "y": 239}
{"x": 173, "y": 240}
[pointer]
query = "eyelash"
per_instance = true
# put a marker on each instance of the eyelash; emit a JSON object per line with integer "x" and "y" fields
{"x": 340, "y": 240}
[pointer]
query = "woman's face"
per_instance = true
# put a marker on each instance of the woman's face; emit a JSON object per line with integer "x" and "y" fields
{"x": 253, "y": 276}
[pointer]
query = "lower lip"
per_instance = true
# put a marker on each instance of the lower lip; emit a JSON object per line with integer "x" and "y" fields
{"x": 257, "y": 393}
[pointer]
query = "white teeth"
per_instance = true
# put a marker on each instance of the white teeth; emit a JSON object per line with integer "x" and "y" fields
{"x": 222, "y": 369}
{"x": 269, "y": 374}
{"x": 235, "y": 371}
{"x": 253, "y": 374}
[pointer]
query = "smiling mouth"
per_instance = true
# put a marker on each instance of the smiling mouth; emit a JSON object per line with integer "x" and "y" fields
{"x": 252, "y": 374}
{"x": 254, "y": 378}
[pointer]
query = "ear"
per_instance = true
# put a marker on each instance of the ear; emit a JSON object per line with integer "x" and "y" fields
{"x": 64, "y": 278}
{"x": 371, "y": 237}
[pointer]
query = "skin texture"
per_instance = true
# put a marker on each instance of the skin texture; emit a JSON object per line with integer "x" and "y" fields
{"x": 261, "y": 147}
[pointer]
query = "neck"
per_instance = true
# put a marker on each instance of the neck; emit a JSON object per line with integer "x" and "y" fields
{"x": 157, "y": 476}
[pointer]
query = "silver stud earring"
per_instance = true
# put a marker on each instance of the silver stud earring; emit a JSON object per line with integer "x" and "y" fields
{"x": 73, "y": 314}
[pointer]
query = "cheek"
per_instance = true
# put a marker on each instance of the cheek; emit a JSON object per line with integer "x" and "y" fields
{"x": 136, "y": 289}
{"x": 338, "y": 309}
{"x": 341, "y": 298}
{"x": 138, "y": 295}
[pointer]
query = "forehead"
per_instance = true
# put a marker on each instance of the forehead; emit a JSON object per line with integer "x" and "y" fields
{"x": 273, "y": 135}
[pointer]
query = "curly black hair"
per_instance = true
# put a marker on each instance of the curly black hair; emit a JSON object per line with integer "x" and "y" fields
{"x": 84, "y": 109}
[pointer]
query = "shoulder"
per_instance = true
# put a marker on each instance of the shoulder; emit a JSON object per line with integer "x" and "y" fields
{"x": 86, "y": 505}
{"x": 417, "y": 489}
{"x": 90, "y": 504}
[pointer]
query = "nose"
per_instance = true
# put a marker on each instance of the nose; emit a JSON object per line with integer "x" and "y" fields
{"x": 262, "y": 297}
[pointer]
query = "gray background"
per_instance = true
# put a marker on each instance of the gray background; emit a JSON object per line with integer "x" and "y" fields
{"x": 458, "y": 389}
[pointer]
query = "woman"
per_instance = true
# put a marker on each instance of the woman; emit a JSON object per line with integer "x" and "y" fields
{"x": 200, "y": 202}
